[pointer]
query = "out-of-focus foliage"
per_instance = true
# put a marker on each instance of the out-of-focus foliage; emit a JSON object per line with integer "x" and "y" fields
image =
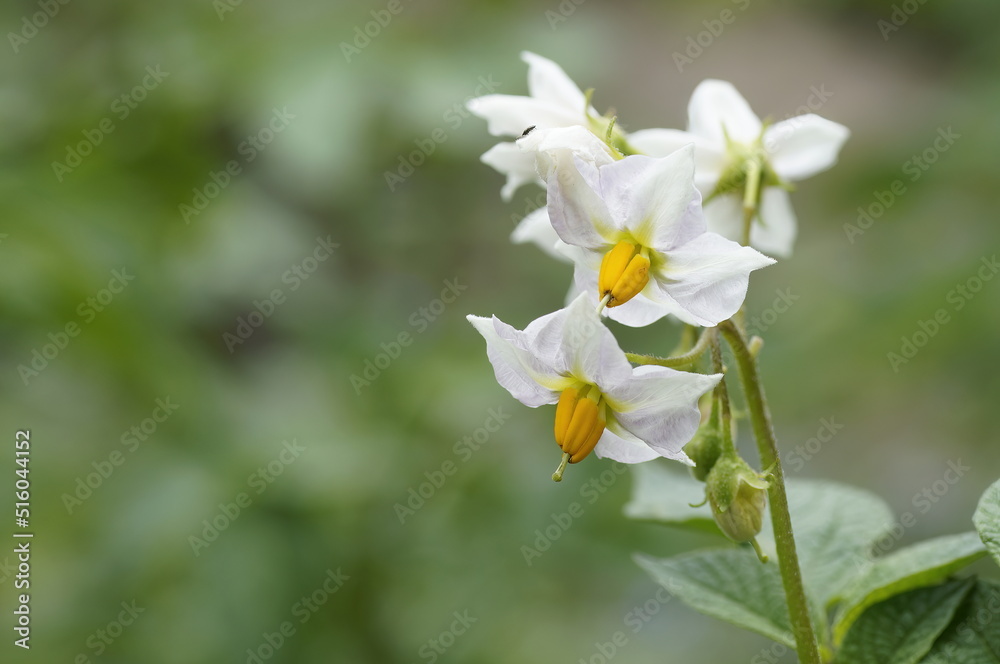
{"x": 424, "y": 419}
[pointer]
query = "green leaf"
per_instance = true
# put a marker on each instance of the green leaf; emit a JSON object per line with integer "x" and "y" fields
{"x": 903, "y": 628}
{"x": 922, "y": 564}
{"x": 835, "y": 526}
{"x": 973, "y": 637}
{"x": 987, "y": 520}
{"x": 729, "y": 584}
{"x": 664, "y": 494}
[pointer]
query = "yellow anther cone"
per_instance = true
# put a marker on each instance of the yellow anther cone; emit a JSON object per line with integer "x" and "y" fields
{"x": 580, "y": 421}
{"x": 624, "y": 273}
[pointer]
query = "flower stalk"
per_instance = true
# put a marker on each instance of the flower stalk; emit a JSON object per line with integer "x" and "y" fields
{"x": 784, "y": 540}
{"x": 751, "y": 194}
{"x": 678, "y": 361}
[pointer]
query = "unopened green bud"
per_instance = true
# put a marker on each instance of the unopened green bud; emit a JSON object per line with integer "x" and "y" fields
{"x": 738, "y": 497}
{"x": 704, "y": 449}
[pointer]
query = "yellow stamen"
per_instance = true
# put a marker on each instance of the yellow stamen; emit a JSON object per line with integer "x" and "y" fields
{"x": 580, "y": 421}
{"x": 580, "y": 428}
{"x": 624, "y": 273}
{"x": 564, "y": 412}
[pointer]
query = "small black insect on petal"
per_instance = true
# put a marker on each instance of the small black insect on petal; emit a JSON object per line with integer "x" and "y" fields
{"x": 528, "y": 131}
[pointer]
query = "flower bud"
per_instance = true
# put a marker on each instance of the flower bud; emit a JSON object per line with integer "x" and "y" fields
{"x": 704, "y": 449}
{"x": 580, "y": 421}
{"x": 738, "y": 497}
{"x": 624, "y": 273}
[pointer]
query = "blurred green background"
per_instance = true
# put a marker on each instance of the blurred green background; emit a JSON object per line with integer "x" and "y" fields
{"x": 328, "y": 125}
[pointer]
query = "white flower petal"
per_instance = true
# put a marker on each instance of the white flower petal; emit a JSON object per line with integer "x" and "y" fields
{"x": 623, "y": 447}
{"x": 709, "y": 158}
{"x": 774, "y": 232}
{"x": 542, "y": 338}
{"x": 578, "y": 214}
{"x": 708, "y": 276}
{"x": 527, "y": 378}
{"x": 518, "y": 166}
{"x": 510, "y": 115}
{"x": 724, "y": 215}
{"x": 579, "y": 141}
{"x": 717, "y": 104}
{"x": 547, "y": 81}
{"x": 655, "y": 300}
{"x": 660, "y": 406}
{"x": 554, "y": 101}
{"x": 661, "y": 142}
{"x": 536, "y": 228}
{"x": 640, "y": 311}
{"x": 654, "y": 198}
{"x": 586, "y": 259}
{"x": 805, "y": 145}
{"x": 585, "y": 348}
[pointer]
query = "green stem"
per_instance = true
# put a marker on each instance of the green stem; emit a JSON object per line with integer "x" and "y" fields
{"x": 751, "y": 194}
{"x": 722, "y": 398}
{"x": 784, "y": 540}
{"x": 689, "y": 337}
{"x": 677, "y": 361}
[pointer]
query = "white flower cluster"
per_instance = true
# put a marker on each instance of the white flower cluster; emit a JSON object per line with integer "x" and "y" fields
{"x": 627, "y": 210}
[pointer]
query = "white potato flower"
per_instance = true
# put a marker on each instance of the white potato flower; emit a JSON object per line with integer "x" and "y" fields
{"x": 553, "y": 100}
{"x": 727, "y": 136}
{"x": 571, "y": 359}
{"x": 635, "y": 231}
